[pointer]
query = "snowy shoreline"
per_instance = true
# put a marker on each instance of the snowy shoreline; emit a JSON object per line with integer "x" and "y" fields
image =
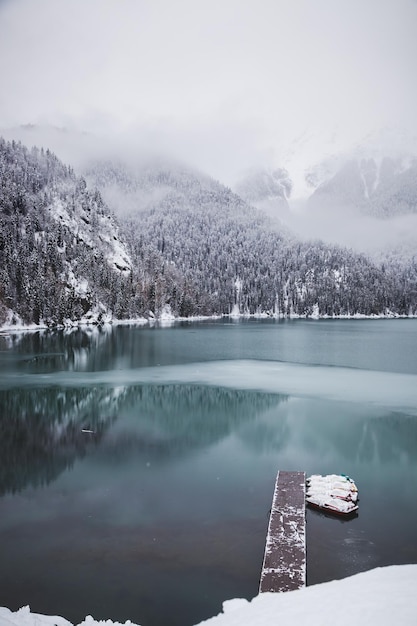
{"x": 169, "y": 319}
{"x": 384, "y": 596}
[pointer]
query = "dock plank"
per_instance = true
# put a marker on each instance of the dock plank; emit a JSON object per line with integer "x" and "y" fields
{"x": 284, "y": 565}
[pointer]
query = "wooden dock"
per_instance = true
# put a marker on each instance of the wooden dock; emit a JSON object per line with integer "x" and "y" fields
{"x": 284, "y": 565}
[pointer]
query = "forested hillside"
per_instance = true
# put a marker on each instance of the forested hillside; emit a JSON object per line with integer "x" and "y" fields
{"x": 221, "y": 255}
{"x": 180, "y": 242}
{"x": 60, "y": 255}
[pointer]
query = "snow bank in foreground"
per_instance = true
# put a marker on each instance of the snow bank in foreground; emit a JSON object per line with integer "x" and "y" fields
{"x": 382, "y": 596}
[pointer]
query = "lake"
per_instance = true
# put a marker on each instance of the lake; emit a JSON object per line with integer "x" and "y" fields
{"x": 137, "y": 464}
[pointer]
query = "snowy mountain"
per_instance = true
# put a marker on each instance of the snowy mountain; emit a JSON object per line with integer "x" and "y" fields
{"x": 357, "y": 189}
{"x": 207, "y": 251}
{"x": 375, "y": 175}
{"x": 182, "y": 245}
{"x": 60, "y": 253}
{"x": 384, "y": 188}
{"x": 319, "y": 154}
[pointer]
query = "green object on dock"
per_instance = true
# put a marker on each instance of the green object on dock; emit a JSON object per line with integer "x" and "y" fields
{"x": 284, "y": 565}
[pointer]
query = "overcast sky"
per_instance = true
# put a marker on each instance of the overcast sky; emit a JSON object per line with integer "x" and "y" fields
{"x": 225, "y": 83}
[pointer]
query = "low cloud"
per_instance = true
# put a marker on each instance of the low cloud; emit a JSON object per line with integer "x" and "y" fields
{"x": 224, "y": 85}
{"x": 362, "y": 233}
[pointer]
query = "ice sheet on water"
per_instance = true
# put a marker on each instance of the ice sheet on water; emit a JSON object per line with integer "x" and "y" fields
{"x": 391, "y": 390}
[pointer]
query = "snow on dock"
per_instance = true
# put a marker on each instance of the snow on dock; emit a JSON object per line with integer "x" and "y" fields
{"x": 284, "y": 565}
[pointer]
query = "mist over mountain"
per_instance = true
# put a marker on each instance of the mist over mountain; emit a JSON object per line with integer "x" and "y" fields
{"x": 145, "y": 237}
{"x": 359, "y": 191}
{"x": 267, "y": 190}
{"x": 214, "y": 87}
{"x": 329, "y": 184}
{"x": 316, "y": 155}
{"x": 132, "y": 185}
{"x": 384, "y": 189}
{"x": 224, "y": 255}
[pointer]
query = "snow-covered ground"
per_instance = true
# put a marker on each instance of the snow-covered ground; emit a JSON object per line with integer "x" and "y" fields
{"x": 382, "y": 596}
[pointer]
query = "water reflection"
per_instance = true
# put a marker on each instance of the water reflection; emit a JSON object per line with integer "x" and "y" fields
{"x": 47, "y": 351}
{"x": 348, "y": 435}
{"x": 173, "y": 420}
{"x": 43, "y": 431}
{"x": 384, "y": 345}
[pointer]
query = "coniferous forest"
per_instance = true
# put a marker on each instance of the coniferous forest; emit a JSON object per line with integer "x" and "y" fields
{"x": 118, "y": 244}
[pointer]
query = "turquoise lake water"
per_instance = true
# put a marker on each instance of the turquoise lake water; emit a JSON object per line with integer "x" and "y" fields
{"x": 137, "y": 464}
